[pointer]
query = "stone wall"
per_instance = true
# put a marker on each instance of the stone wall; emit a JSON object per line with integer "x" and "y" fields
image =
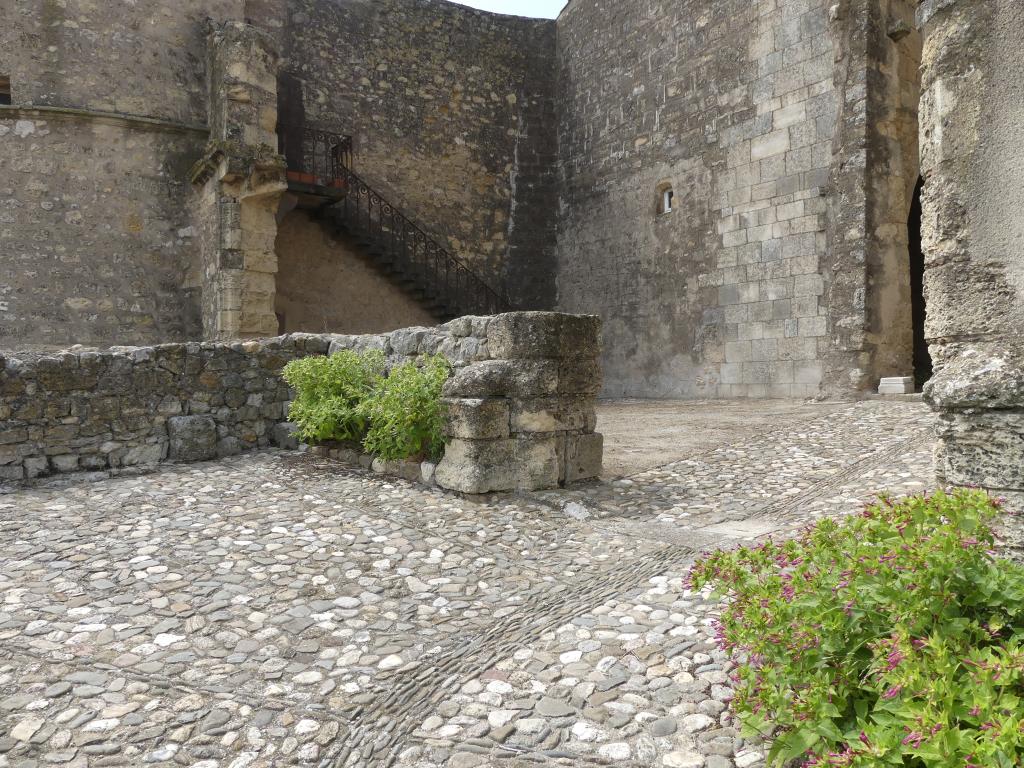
{"x": 733, "y": 104}
{"x": 972, "y": 133}
{"x": 109, "y": 112}
{"x": 95, "y": 236}
{"x": 326, "y": 284}
{"x": 136, "y": 406}
{"x": 452, "y": 113}
{"x": 452, "y": 110}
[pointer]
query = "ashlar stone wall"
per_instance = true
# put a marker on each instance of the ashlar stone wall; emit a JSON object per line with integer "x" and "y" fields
{"x": 521, "y": 401}
{"x": 733, "y": 105}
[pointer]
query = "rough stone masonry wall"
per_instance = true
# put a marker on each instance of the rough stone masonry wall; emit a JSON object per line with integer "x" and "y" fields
{"x": 452, "y": 113}
{"x": 972, "y": 133}
{"x": 137, "y": 406}
{"x": 733, "y": 104}
{"x": 96, "y": 240}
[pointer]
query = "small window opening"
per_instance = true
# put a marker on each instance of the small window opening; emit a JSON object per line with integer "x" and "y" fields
{"x": 5, "y": 89}
{"x": 666, "y": 197}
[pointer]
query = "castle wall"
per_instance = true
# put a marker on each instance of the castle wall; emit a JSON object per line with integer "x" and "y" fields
{"x": 452, "y": 114}
{"x": 733, "y": 104}
{"x": 324, "y": 285}
{"x": 96, "y": 245}
{"x": 109, "y": 109}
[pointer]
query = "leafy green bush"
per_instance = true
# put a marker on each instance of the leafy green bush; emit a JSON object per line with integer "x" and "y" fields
{"x": 405, "y": 414}
{"x": 331, "y": 393}
{"x": 894, "y": 638}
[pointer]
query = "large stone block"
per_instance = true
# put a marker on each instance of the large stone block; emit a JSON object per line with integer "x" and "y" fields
{"x": 580, "y": 376}
{"x": 484, "y": 466}
{"x": 979, "y": 377}
{"x": 192, "y": 438}
{"x": 543, "y": 334}
{"x": 538, "y": 461}
{"x": 983, "y": 448}
{"x": 478, "y": 466}
{"x": 505, "y": 378}
{"x": 553, "y": 414}
{"x": 476, "y": 419}
{"x": 584, "y": 457}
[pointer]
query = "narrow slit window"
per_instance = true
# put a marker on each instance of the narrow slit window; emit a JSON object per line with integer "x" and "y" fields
{"x": 666, "y": 198}
{"x": 5, "y": 89}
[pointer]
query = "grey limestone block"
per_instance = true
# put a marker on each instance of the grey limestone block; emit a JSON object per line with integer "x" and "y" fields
{"x": 984, "y": 448}
{"x": 584, "y": 456}
{"x": 553, "y": 414}
{"x": 580, "y": 376}
{"x": 283, "y": 435}
{"x": 478, "y": 466}
{"x": 543, "y": 334}
{"x": 984, "y": 376}
{"x": 538, "y": 461}
{"x": 504, "y": 378}
{"x": 407, "y": 341}
{"x": 229, "y": 446}
{"x": 476, "y": 418}
{"x": 192, "y": 438}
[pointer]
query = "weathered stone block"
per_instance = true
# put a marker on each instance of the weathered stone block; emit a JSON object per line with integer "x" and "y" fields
{"x": 284, "y": 435}
{"x": 983, "y": 448}
{"x": 65, "y": 463}
{"x": 579, "y": 376}
{"x": 478, "y": 466}
{"x": 505, "y": 378}
{"x": 584, "y": 457}
{"x": 476, "y": 419}
{"x": 543, "y": 334}
{"x": 142, "y": 455}
{"x": 538, "y": 461}
{"x": 553, "y": 414}
{"x": 192, "y": 438}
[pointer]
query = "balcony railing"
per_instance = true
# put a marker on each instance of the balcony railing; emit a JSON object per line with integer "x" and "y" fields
{"x": 314, "y": 156}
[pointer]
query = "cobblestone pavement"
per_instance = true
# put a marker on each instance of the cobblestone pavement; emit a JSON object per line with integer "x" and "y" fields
{"x": 279, "y": 609}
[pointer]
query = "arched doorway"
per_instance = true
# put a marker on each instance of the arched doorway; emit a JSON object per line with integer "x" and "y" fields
{"x": 922, "y": 357}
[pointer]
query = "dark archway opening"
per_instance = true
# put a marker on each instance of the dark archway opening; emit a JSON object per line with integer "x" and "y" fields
{"x": 922, "y": 357}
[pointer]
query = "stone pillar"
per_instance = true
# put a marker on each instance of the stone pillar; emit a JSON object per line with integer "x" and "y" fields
{"x": 240, "y": 181}
{"x": 525, "y": 420}
{"x": 972, "y": 132}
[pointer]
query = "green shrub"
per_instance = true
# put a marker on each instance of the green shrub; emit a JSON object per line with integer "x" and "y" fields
{"x": 894, "y": 638}
{"x": 405, "y": 413}
{"x": 331, "y": 393}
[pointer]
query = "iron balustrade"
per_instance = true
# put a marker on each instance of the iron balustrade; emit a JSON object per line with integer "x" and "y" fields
{"x": 315, "y": 152}
{"x": 400, "y": 244}
{"x": 412, "y": 252}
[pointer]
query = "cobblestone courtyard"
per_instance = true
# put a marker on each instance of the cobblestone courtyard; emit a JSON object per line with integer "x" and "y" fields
{"x": 278, "y": 609}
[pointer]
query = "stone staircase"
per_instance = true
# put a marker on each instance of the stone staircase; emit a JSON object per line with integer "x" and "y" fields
{"x": 400, "y": 249}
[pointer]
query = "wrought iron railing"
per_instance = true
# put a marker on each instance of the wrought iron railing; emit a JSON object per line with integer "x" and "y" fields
{"x": 413, "y": 253}
{"x": 325, "y": 159}
{"x": 314, "y": 153}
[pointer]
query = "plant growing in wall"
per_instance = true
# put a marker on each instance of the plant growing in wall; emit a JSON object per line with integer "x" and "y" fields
{"x": 405, "y": 413}
{"x": 891, "y": 639}
{"x": 331, "y": 393}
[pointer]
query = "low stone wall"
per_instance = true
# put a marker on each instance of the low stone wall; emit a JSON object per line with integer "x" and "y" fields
{"x": 130, "y": 407}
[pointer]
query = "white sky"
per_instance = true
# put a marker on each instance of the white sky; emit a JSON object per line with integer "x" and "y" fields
{"x": 543, "y": 9}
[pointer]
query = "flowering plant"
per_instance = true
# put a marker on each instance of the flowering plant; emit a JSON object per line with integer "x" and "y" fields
{"x": 893, "y": 638}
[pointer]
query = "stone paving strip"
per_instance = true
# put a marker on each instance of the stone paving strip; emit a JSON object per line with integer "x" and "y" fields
{"x": 281, "y": 609}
